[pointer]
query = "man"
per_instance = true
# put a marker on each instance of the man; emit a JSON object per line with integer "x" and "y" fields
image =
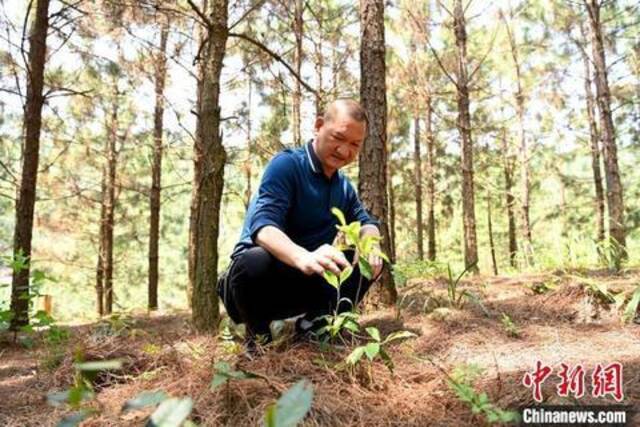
{"x": 285, "y": 244}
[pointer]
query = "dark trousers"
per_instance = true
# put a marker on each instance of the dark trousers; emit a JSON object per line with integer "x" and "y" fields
{"x": 258, "y": 288}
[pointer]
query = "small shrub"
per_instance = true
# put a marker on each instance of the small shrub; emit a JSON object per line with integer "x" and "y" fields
{"x": 509, "y": 326}
{"x": 461, "y": 382}
{"x": 375, "y": 348}
{"x": 544, "y": 287}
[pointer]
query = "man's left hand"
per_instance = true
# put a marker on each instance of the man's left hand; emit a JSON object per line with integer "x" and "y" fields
{"x": 376, "y": 264}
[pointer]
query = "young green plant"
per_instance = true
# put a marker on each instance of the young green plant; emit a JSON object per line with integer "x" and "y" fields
{"x": 376, "y": 347}
{"x": 461, "y": 382}
{"x": 364, "y": 247}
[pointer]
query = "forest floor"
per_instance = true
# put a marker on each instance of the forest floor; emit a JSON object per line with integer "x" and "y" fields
{"x": 160, "y": 352}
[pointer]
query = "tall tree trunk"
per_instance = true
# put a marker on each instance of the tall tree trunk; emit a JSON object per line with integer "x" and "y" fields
{"x": 156, "y": 169}
{"x": 510, "y": 199}
{"x": 318, "y": 57}
{"x": 595, "y": 145}
{"x": 32, "y": 125}
{"x": 372, "y": 180}
{"x": 524, "y": 153}
{"x": 392, "y": 215}
{"x": 492, "y": 246}
{"x": 615, "y": 201}
{"x": 248, "y": 168}
{"x": 431, "y": 183}
{"x": 209, "y": 160}
{"x": 464, "y": 127}
{"x": 319, "y": 66}
{"x": 101, "y": 253}
{"x": 417, "y": 165}
{"x": 298, "y": 31}
{"x": 110, "y": 199}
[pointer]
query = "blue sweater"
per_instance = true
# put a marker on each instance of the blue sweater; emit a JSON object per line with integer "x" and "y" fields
{"x": 296, "y": 197}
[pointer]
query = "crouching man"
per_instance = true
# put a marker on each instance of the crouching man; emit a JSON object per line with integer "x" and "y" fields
{"x": 285, "y": 244}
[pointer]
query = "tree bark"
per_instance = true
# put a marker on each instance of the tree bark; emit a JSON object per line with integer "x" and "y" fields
{"x": 492, "y": 246}
{"x": 111, "y": 155}
{"x": 392, "y": 215}
{"x": 464, "y": 127}
{"x": 595, "y": 145}
{"x": 431, "y": 183}
{"x": 372, "y": 179}
{"x": 298, "y": 31}
{"x": 417, "y": 162}
{"x": 524, "y": 153}
{"x": 156, "y": 169}
{"x": 248, "y": 168}
{"x": 319, "y": 67}
{"x": 510, "y": 200}
{"x": 101, "y": 253}
{"x": 32, "y": 125}
{"x": 209, "y": 160}
{"x": 615, "y": 203}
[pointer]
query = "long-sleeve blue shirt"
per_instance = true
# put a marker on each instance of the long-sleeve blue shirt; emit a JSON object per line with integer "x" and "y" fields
{"x": 296, "y": 196}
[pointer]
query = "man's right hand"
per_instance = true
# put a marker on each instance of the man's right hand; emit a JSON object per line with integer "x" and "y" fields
{"x": 326, "y": 257}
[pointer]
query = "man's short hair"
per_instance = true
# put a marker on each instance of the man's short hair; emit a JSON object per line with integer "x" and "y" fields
{"x": 351, "y": 107}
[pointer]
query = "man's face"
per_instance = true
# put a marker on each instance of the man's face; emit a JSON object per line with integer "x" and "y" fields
{"x": 338, "y": 141}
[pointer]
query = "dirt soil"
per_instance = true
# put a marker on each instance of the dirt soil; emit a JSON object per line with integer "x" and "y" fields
{"x": 160, "y": 352}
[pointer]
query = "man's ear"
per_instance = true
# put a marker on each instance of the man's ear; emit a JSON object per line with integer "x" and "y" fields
{"x": 319, "y": 123}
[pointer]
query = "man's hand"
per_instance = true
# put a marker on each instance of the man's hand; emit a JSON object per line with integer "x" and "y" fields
{"x": 326, "y": 257}
{"x": 376, "y": 264}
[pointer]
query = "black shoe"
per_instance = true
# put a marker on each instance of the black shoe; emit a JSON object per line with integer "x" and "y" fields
{"x": 308, "y": 329}
{"x": 254, "y": 344}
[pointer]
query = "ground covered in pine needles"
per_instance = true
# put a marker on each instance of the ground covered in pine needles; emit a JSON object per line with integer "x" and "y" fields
{"x": 555, "y": 318}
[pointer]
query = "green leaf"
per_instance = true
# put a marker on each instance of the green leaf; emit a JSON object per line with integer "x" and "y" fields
{"x": 38, "y": 276}
{"x": 75, "y": 419}
{"x": 365, "y": 268}
{"x": 171, "y": 413}
{"x": 331, "y": 278}
{"x": 399, "y": 335}
{"x": 144, "y": 399}
{"x": 374, "y": 333}
{"x": 352, "y": 233}
{"x": 632, "y": 306}
{"x": 270, "y": 416}
{"x": 338, "y": 213}
{"x": 99, "y": 365}
{"x": 355, "y": 355}
{"x": 372, "y": 350}
{"x": 224, "y": 373}
{"x": 73, "y": 396}
{"x": 351, "y": 325}
{"x": 292, "y": 406}
{"x": 218, "y": 380}
{"x": 344, "y": 275}
{"x": 383, "y": 256}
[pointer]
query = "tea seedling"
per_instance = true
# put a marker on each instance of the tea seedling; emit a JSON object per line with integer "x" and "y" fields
{"x": 629, "y": 304}
{"x": 86, "y": 373}
{"x": 461, "y": 382}
{"x": 224, "y": 374}
{"x": 543, "y": 288}
{"x": 509, "y": 326}
{"x": 375, "y": 348}
{"x": 454, "y": 295}
{"x": 364, "y": 246}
